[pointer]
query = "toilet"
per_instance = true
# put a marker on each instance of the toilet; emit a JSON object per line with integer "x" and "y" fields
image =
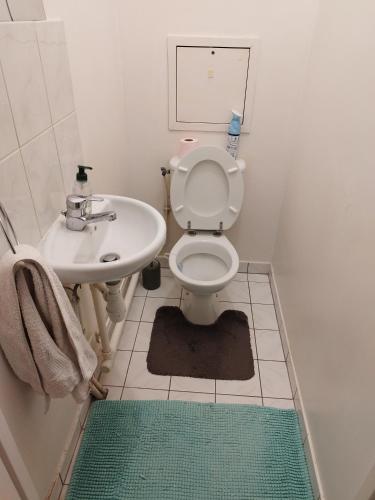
{"x": 206, "y": 197}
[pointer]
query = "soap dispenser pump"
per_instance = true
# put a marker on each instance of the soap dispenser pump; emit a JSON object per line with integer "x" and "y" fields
{"x": 82, "y": 186}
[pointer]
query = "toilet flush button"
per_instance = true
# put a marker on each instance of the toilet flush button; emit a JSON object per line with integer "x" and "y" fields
{"x": 210, "y": 73}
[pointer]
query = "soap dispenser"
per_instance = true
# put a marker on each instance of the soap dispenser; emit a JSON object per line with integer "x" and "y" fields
{"x": 82, "y": 186}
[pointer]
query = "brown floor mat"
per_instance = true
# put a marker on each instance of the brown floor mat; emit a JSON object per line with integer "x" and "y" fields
{"x": 219, "y": 351}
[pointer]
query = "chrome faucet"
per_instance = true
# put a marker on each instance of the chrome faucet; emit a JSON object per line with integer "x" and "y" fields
{"x": 76, "y": 214}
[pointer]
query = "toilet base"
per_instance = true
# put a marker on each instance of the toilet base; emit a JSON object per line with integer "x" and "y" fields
{"x": 200, "y": 309}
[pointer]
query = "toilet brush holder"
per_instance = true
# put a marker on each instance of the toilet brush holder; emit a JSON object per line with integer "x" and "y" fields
{"x": 151, "y": 276}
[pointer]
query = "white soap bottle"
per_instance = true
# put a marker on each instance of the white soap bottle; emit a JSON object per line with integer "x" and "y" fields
{"x": 82, "y": 186}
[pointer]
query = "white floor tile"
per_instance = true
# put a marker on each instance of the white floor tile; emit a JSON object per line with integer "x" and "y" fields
{"x": 260, "y": 293}
{"x": 285, "y": 404}
{"x": 235, "y": 291}
{"x": 136, "y": 308}
{"x": 139, "y": 376}
{"x": 142, "y": 342}
{"x": 244, "y": 400}
{"x": 264, "y": 317}
{"x": 119, "y": 368}
{"x": 165, "y": 272}
{"x": 140, "y": 291}
{"x": 144, "y": 394}
{"x": 169, "y": 289}
{"x": 258, "y": 278}
{"x": 192, "y": 396}
{"x": 269, "y": 345}
{"x": 240, "y": 387}
{"x": 191, "y": 384}
{"x": 114, "y": 393}
{"x": 128, "y": 336}
{"x": 274, "y": 379}
{"x": 240, "y": 277}
{"x": 153, "y": 304}
{"x": 71, "y": 466}
{"x": 237, "y": 306}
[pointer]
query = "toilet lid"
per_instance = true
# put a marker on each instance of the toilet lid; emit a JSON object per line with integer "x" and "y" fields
{"x": 207, "y": 189}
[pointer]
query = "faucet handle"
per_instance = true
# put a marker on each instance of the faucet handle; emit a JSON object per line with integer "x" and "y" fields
{"x": 78, "y": 201}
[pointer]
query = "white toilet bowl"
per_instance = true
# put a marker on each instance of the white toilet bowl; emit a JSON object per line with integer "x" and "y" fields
{"x": 204, "y": 264}
{"x": 206, "y": 197}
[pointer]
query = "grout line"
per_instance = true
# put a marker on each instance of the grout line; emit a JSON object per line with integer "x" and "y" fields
{"x": 131, "y": 354}
{"x": 256, "y": 346}
{"x": 50, "y": 111}
{"x": 10, "y": 12}
{"x": 19, "y": 151}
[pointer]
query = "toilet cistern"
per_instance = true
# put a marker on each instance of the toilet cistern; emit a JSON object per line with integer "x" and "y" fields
{"x": 76, "y": 215}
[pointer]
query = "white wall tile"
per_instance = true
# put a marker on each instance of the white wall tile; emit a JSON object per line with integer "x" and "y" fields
{"x": 19, "y": 54}
{"x": 53, "y": 52}
{"x": 16, "y": 196}
{"x": 27, "y": 10}
{"x": 4, "y": 12}
{"x": 44, "y": 175}
{"x": 8, "y": 142}
{"x": 69, "y": 149}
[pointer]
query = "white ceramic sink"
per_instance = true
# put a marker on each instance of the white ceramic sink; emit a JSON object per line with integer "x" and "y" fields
{"x": 136, "y": 236}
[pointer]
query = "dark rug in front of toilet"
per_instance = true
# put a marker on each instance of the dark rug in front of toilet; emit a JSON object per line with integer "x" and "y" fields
{"x": 219, "y": 351}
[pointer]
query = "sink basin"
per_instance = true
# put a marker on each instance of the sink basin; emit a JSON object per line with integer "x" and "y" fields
{"x": 135, "y": 237}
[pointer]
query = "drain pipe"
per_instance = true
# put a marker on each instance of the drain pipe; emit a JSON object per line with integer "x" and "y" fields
{"x": 111, "y": 321}
{"x": 112, "y": 294}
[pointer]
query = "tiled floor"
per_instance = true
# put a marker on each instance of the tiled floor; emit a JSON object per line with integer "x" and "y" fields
{"x": 250, "y": 293}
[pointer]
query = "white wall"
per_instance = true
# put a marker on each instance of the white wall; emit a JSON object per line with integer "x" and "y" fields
{"x": 324, "y": 257}
{"x": 8, "y": 490}
{"x": 118, "y": 53}
{"x": 93, "y": 42}
{"x": 39, "y": 147}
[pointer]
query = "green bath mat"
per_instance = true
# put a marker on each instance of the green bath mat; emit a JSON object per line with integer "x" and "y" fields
{"x": 173, "y": 450}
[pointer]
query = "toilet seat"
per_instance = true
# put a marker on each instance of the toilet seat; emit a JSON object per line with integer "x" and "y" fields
{"x": 207, "y": 189}
{"x": 213, "y": 259}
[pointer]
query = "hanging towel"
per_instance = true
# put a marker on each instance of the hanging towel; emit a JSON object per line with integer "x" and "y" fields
{"x": 40, "y": 334}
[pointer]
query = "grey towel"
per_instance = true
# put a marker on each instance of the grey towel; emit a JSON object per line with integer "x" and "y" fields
{"x": 40, "y": 334}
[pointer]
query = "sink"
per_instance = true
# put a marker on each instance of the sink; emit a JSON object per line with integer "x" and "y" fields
{"x": 135, "y": 238}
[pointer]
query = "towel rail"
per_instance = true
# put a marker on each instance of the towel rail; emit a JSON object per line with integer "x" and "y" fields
{"x": 5, "y": 223}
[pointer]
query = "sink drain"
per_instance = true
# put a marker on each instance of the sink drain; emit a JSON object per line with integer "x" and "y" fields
{"x": 109, "y": 257}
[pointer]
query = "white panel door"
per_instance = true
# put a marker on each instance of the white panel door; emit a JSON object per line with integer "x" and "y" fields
{"x": 211, "y": 81}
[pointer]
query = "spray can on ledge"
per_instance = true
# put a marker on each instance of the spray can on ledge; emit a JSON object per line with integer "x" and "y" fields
{"x": 234, "y": 131}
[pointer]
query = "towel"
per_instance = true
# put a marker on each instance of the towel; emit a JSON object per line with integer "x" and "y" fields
{"x": 40, "y": 334}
